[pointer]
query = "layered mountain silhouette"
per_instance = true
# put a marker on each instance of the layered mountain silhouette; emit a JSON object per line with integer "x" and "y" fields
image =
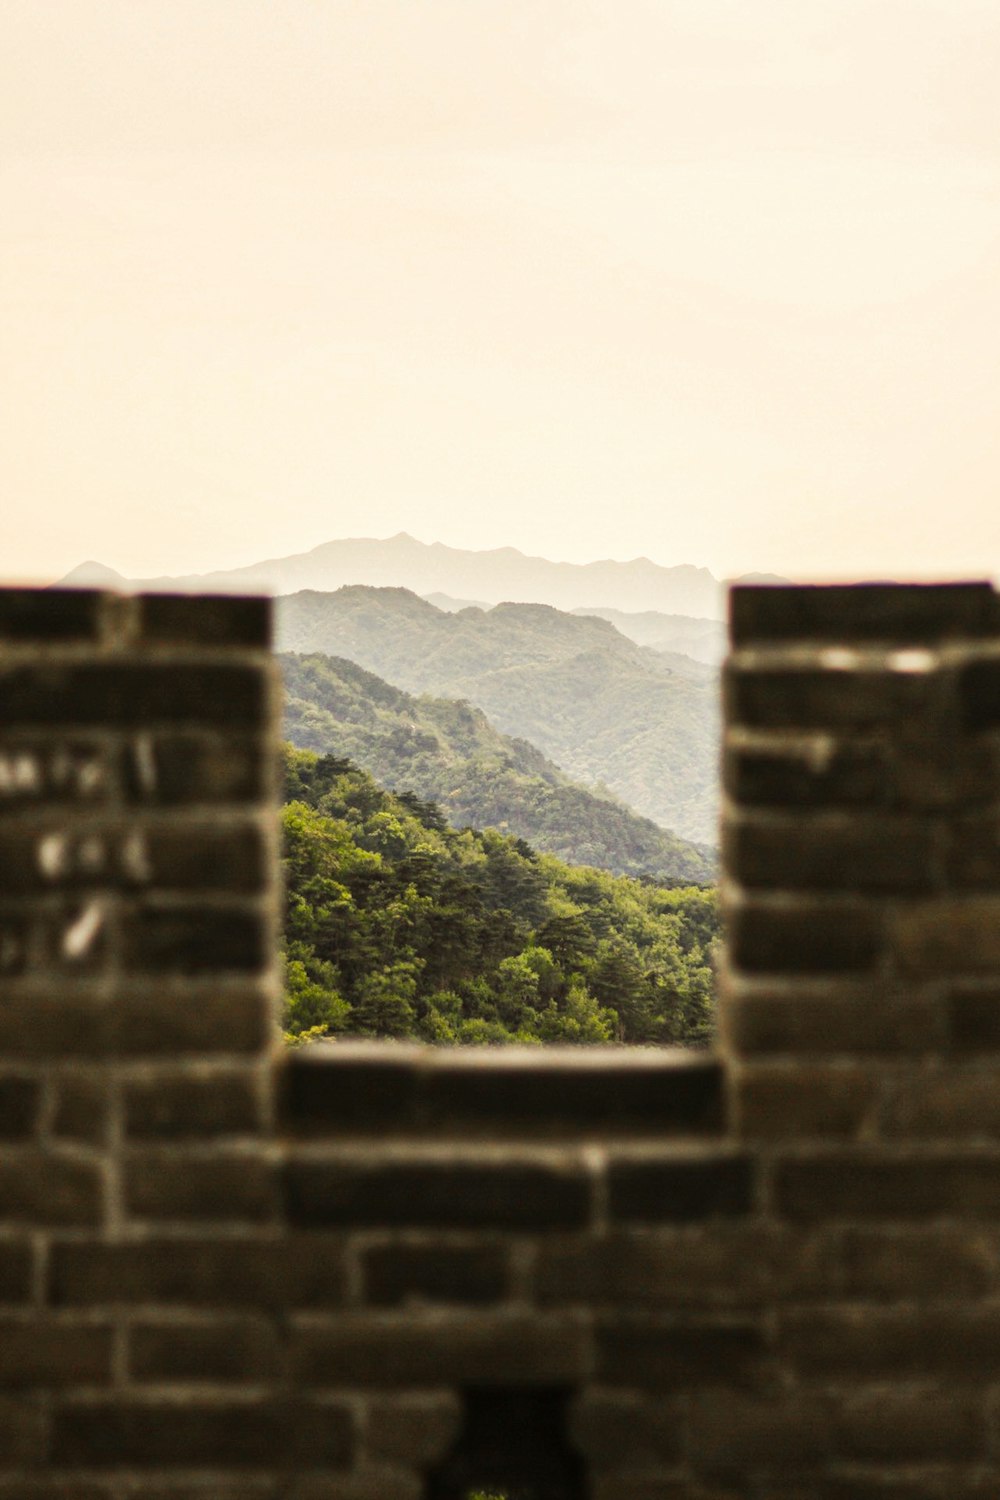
{"x": 433, "y": 568}
{"x": 448, "y": 752}
{"x": 607, "y": 711}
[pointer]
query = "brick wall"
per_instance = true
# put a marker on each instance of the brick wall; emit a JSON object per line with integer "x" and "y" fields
{"x": 390, "y": 1273}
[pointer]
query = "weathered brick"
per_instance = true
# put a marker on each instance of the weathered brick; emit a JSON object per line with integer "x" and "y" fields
{"x": 225, "y": 1349}
{"x": 20, "y": 1099}
{"x": 950, "y": 935}
{"x": 960, "y": 1343}
{"x": 953, "y": 1103}
{"x": 807, "y": 771}
{"x": 900, "y": 613}
{"x": 171, "y": 1020}
{"x": 288, "y": 1271}
{"x": 46, "y": 616}
{"x": 840, "y": 852}
{"x": 172, "y": 939}
{"x": 395, "y": 1274}
{"x": 17, "y": 1261}
{"x": 979, "y": 694}
{"x": 725, "y": 1264}
{"x": 199, "y": 1102}
{"x": 327, "y": 1090}
{"x": 902, "y": 1261}
{"x": 787, "y": 936}
{"x": 372, "y": 1482}
{"x": 163, "y": 1184}
{"x": 608, "y": 1425}
{"x": 48, "y": 1352}
{"x": 67, "y": 1021}
{"x": 974, "y": 851}
{"x": 41, "y": 1187}
{"x": 415, "y": 1430}
{"x": 851, "y": 697}
{"x": 22, "y": 1430}
{"x": 973, "y": 1015}
{"x": 771, "y": 1103}
{"x": 883, "y": 1184}
{"x": 641, "y": 1351}
{"x": 681, "y": 1188}
{"x": 214, "y": 620}
{"x": 480, "y": 1349}
{"x": 198, "y": 769}
{"x": 56, "y": 1489}
{"x": 213, "y": 856}
{"x": 904, "y": 1426}
{"x": 436, "y": 1192}
{"x": 832, "y": 1019}
{"x": 134, "y": 694}
{"x": 665, "y": 1091}
{"x": 82, "y": 1107}
{"x": 128, "y": 1434}
{"x": 731, "y": 1431}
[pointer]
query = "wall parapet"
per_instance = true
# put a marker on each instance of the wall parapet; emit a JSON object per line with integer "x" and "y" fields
{"x": 365, "y": 1271}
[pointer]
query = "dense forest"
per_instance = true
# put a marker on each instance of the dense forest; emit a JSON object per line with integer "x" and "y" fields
{"x": 397, "y": 925}
{"x": 607, "y": 711}
{"x": 449, "y": 752}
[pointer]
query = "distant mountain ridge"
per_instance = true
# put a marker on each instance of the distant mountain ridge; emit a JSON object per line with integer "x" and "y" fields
{"x": 643, "y": 723}
{"x": 448, "y": 752}
{"x": 494, "y": 576}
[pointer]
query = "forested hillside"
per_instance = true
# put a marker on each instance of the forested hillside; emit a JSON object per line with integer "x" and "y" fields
{"x": 450, "y": 753}
{"x": 606, "y": 710}
{"x": 398, "y": 926}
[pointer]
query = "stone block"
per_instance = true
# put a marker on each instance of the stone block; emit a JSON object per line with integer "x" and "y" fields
{"x": 200, "y": 1272}
{"x": 845, "y": 614}
{"x": 802, "y": 936}
{"x": 46, "y": 1352}
{"x": 888, "y": 1184}
{"x": 201, "y": 1102}
{"x": 200, "y": 1433}
{"x": 474, "y": 1274}
{"x": 372, "y": 1350}
{"x": 223, "y": 1350}
{"x": 212, "y": 621}
{"x": 681, "y": 1188}
{"x": 800, "y": 1099}
{"x": 20, "y": 1100}
{"x": 185, "y": 1185}
{"x": 643, "y": 1351}
{"x": 443, "y": 1192}
{"x": 50, "y": 1189}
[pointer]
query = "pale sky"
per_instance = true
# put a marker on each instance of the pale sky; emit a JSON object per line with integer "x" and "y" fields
{"x": 712, "y": 281}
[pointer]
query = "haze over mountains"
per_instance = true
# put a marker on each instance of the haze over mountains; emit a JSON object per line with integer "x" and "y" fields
{"x": 433, "y": 568}
{"x": 606, "y": 672}
{"x": 448, "y": 752}
{"x": 643, "y": 723}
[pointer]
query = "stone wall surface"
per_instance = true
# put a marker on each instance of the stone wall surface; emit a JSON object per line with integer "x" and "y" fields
{"x": 390, "y": 1273}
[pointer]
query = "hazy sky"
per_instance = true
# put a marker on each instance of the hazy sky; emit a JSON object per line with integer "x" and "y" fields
{"x": 711, "y": 282}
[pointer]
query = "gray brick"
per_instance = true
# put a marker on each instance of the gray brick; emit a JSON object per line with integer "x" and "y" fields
{"x": 435, "y": 1193}
{"x": 39, "y": 1187}
{"x": 496, "y": 1350}
{"x": 183, "y": 1185}
{"x": 48, "y": 1352}
{"x": 395, "y": 1274}
{"x": 288, "y": 1271}
{"x": 202, "y": 1102}
{"x": 223, "y": 1350}
{"x": 198, "y": 1433}
{"x": 681, "y": 1189}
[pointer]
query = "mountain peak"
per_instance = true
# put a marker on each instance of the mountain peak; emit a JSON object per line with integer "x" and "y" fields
{"x": 92, "y": 575}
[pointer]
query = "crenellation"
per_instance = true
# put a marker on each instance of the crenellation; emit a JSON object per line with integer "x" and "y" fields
{"x": 234, "y": 1272}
